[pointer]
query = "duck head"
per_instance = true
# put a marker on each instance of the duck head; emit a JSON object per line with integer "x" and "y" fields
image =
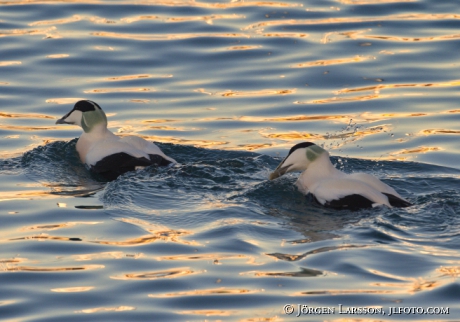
{"x": 86, "y": 114}
{"x": 299, "y": 158}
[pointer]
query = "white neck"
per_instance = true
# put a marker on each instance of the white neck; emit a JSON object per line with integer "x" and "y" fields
{"x": 320, "y": 168}
{"x": 98, "y": 130}
{"x": 88, "y": 139}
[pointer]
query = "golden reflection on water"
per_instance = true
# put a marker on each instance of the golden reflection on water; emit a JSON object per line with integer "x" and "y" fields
{"x": 264, "y": 92}
{"x": 292, "y": 258}
{"x": 205, "y": 257}
{"x": 378, "y": 88}
{"x": 175, "y": 140}
{"x": 345, "y": 99}
{"x": 404, "y": 154}
{"x": 243, "y": 47}
{"x": 119, "y": 90}
{"x": 344, "y": 292}
{"x": 44, "y": 236}
{"x": 452, "y": 271}
{"x": 207, "y": 19}
{"x": 208, "y": 312}
{"x": 26, "y": 115}
{"x": 413, "y": 39}
{"x": 64, "y": 100}
{"x": 327, "y": 62}
{"x": 139, "y": 101}
{"x": 52, "y": 269}
{"x": 14, "y": 260}
{"x": 231, "y": 4}
{"x": 27, "y": 128}
{"x": 72, "y": 289}
{"x": 132, "y": 77}
{"x": 9, "y": 63}
{"x": 343, "y": 20}
{"x": 356, "y": 134}
{"x": 304, "y": 272}
{"x": 285, "y": 35}
{"x": 57, "y": 56}
{"x": 157, "y": 233}
{"x": 142, "y": 240}
{"x": 107, "y": 309}
{"x": 215, "y": 291}
{"x": 48, "y": 33}
{"x": 74, "y": 18}
{"x": 153, "y": 37}
{"x": 26, "y": 194}
{"x": 169, "y": 273}
{"x": 58, "y": 226}
{"x": 158, "y": 121}
{"x": 106, "y": 255}
{"x": 439, "y": 131}
{"x": 364, "y": 2}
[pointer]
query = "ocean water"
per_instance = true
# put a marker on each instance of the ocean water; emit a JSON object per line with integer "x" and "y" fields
{"x": 226, "y": 88}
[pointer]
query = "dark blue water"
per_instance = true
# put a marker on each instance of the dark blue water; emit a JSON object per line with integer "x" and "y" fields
{"x": 226, "y": 88}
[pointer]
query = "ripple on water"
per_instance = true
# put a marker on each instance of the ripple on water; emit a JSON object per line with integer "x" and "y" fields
{"x": 211, "y": 238}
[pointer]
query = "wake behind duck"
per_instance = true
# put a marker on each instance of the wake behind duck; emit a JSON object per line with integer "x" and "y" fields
{"x": 103, "y": 152}
{"x": 331, "y": 187}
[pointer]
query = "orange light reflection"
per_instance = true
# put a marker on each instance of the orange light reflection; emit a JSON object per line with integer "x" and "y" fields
{"x": 107, "y": 309}
{"x": 170, "y": 273}
{"x": 72, "y": 289}
{"x": 343, "y": 20}
{"x": 157, "y": 37}
{"x": 355, "y": 59}
{"x": 216, "y": 291}
{"x": 9, "y": 63}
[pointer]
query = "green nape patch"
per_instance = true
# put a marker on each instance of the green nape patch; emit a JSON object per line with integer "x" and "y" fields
{"x": 91, "y": 118}
{"x": 313, "y": 152}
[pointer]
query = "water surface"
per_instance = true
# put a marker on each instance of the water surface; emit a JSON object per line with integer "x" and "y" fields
{"x": 226, "y": 88}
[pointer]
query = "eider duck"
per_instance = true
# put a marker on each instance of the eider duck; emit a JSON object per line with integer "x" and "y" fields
{"x": 103, "y": 152}
{"x": 331, "y": 187}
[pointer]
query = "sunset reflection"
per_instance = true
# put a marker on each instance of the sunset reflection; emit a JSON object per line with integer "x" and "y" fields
{"x": 263, "y": 92}
{"x": 355, "y": 59}
{"x": 9, "y": 63}
{"x": 453, "y": 271}
{"x": 74, "y": 18}
{"x": 133, "y": 77}
{"x": 105, "y": 255}
{"x": 53, "y": 269}
{"x": 72, "y": 289}
{"x": 207, "y": 19}
{"x": 169, "y": 273}
{"x": 304, "y": 272}
{"x": 153, "y": 37}
{"x": 205, "y": 257}
{"x": 213, "y": 292}
{"x": 405, "y": 153}
{"x": 64, "y": 100}
{"x": 378, "y": 88}
{"x": 119, "y": 90}
{"x": 355, "y": 134}
{"x": 26, "y": 194}
{"x": 209, "y": 312}
{"x": 107, "y": 309}
{"x": 227, "y": 88}
{"x": 344, "y": 20}
{"x": 58, "y": 226}
{"x": 26, "y": 115}
{"x": 439, "y": 131}
{"x": 157, "y": 233}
